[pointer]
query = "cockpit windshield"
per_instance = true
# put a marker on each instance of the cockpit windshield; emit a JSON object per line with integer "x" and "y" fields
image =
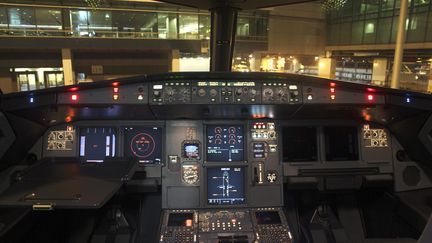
{"x": 46, "y": 44}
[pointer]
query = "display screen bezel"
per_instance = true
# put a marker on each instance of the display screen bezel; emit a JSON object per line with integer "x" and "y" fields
{"x": 316, "y": 140}
{"x": 224, "y": 125}
{"x": 171, "y": 221}
{"x": 327, "y": 145}
{"x": 125, "y": 143}
{"x": 191, "y": 142}
{"x": 245, "y": 183}
{"x": 258, "y": 222}
{"x": 114, "y": 146}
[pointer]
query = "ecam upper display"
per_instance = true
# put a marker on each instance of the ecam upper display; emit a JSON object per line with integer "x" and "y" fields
{"x": 224, "y": 143}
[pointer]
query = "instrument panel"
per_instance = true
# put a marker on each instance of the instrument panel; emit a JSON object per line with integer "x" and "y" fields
{"x": 202, "y": 164}
{"x": 221, "y": 142}
{"x": 222, "y": 151}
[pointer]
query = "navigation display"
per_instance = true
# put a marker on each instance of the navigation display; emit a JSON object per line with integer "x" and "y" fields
{"x": 341, "y": 143}
{"x": 225, "y": 185}
{"x": 225, "y": 143}
{"x": 143, "y": 143}
{"x": 268, "y": 217}
{"x": 299, "y": 144}
{"x": 96, "y": 143}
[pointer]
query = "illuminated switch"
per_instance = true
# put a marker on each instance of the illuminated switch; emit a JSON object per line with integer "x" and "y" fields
{"x": 271, "y": 126}
{"x": 173, "y": 159}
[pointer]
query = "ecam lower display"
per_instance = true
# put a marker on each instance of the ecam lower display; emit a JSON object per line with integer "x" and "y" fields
{"x": 225, "y": 185}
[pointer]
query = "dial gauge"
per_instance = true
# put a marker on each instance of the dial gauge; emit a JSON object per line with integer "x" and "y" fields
{"x": 190, "y": 174}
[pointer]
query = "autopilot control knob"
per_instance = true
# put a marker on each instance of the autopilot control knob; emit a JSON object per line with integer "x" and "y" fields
{"x": 253, "y": 92}
{"x": 294, "y": 94}
{"x": 281, "y": 93}
{"x": 184, "y": 91}
{"x": 268, "y": 92}
{"x": 213, "y": 92}
{"x": 239, "y": 91}
{"x": 201, "y": 92}
{"x": 169, "y": 91}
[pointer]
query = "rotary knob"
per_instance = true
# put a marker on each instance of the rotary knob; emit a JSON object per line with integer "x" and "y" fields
{"x": 184, "y": 91}
{"x": 201, "y": 92}
{"x": 239, "y": 91}
{"x": 69, "y": 136}
{"x": 253, "y": 92}
{"x": 169, "y": 91}
{"x": 281, "y": 93}
{"x": 268, "y": 92}
{"x": 213, "y": 92}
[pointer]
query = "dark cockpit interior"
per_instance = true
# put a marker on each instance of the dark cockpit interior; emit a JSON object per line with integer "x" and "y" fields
{"x": 216, "y": 157}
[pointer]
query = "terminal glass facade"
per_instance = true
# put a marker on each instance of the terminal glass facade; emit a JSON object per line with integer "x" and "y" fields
{"x": 49, "y": 20}
{"x": 151, "y": 24}
{"x": 3, "y": 18}
{"x": 375, "y": 22}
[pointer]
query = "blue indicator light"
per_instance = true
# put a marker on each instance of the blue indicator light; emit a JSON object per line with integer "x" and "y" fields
{"x": 31, "y": 100}
{"x": 408, "y": 100}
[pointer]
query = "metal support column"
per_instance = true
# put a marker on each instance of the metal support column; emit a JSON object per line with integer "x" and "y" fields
{"x": 223, "y": 29}
{"x": 400, "y": 42}
{"x": 68, "y": 73}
